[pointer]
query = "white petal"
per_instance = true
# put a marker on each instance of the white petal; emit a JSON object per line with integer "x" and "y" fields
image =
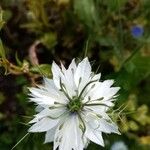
{"x": 82, "y": 74}
{"x": 49, "y": 85}
{"x": 95, "y": 126}
{"x": 63, "y": 68}
{"x": 40, "y": 115}
{"x": 66, "y": 78}
{"x": 43, "y": 125}
{"x": 55, "y": 113}
{"x": 69, "y": 84}
{"x": 72, "y": 67}
{"x": 42, "y": 101}
{"x": 103, "y": 90}
{"x": 96, "y": 76}
{"x": 107, "y": 127}
{"x": 111, "y": 92}
{"x": 109, "y": 103}
{"x": 39, "y": 108}
{"x": 49, "y": 137}
{"x": 57, "y": 73}
{"x": 108, "y": 83}
{"x": 47, "y": 95}
{"x": 44, "y": 96}
{"x": 98, "y": 110}
{"x": 69, "y": 136}
{"x": 94, "y": 136}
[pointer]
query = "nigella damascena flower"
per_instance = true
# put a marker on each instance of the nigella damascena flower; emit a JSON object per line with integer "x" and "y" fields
{"x": 73, "y": 107}
{"x": 137, "y": 31}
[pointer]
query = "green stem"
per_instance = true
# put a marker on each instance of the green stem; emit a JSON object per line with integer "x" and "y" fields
{"x": 20, "y": 140}
{"x": 86, "y": 47}
{"x": 131, "y": 56}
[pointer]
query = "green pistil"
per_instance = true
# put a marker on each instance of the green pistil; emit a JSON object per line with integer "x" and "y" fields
{"x": 75, "y": 105}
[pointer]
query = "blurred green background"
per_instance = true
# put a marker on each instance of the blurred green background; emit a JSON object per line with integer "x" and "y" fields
{"x": 114, "y": 34}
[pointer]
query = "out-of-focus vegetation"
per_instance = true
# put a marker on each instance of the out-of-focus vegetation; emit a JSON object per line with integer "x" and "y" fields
{"x": 114, "y": 34}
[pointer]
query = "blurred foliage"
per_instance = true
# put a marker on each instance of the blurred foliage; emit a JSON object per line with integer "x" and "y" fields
{"x": 33, "y": 33}
{"x": 1, "y": 19}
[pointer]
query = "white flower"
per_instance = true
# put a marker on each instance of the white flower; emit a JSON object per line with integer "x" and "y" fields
{"x": 73, "y": 106}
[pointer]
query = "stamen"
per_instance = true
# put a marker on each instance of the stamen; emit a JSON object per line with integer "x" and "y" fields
{"x": 57, "y": 103}
{"x": 80, "y": 79}
{"x": 96, "y": 104}
{"x": 99, "y": 116}
{"x": 62, "y": 89}
{"x": 89, "y": 90}
{"x": 60, "y": 127}
{"x": 86, "y": 87}
{"x": 83, "y": 128}
{"x": 72, "y": 70}
{"x": 94, "y": 100}
{"x": 55, "y": 107}
{"x": 92, "y": 86}
{"x": 89, "y": 99}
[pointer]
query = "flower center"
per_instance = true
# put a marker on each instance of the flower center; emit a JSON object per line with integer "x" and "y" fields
{"x": 75, "y": 105}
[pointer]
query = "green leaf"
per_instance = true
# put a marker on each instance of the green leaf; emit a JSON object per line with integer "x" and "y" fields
{"x": 2, "y": 51}
{"x": 86, "y": 11}
{"x": 114, "y": 5}
{"x": 138, "y": 66}
{"x": 18, "y": 60}
{"x": 1, "y": 19}
{"x": 49, "y": 40}
{"x": 43, "y": 69}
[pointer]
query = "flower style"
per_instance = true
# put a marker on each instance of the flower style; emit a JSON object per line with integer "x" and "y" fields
{"x": 72, "y": 107}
